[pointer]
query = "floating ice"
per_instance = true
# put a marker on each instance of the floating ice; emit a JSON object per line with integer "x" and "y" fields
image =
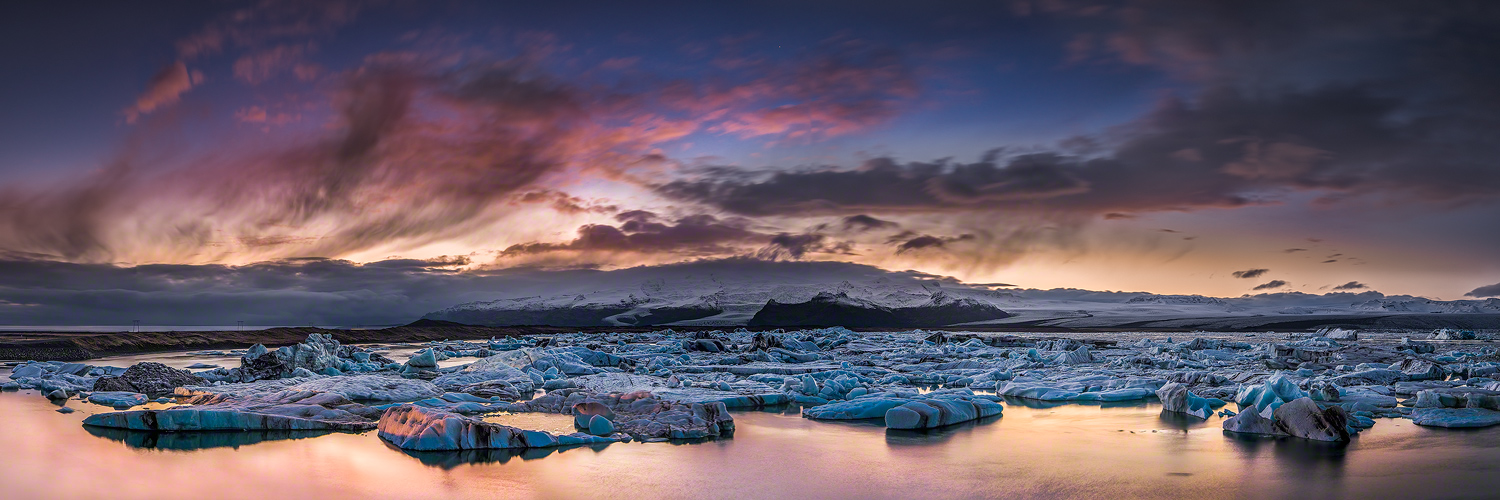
{"x": 424, "y": 429}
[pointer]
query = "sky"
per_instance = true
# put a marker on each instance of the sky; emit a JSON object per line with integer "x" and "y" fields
{"x": 1143, "y": 145}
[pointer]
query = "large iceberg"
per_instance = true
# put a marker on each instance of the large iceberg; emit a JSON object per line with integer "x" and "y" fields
{"x": 290, "y": 410}
{"x": 413, "y": 427}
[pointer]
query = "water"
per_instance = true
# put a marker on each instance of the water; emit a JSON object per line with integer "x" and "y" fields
{"x": 1071, "y": 450}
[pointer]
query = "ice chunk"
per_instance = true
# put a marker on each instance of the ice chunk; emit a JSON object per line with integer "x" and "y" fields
{"x": 938, "y": 412}
{"x": 599, "y": 425}
{"x": 641, "y": 415}
{"x": 288, "y": 410}
{"x": 424, "y": 359}
{"x": 1128, "y": 394}
{"x": 874, "y": 406}
{"x": 1455, "y": 417}
{"x": 1420, "y": 369}
{"x": 1039, "y": 392}
{"x": 1175, "y": 397}
{"x": 1303, "y": 418}
{"x": 1274, "y": 392}
{"x": 117, "y": 399}
{"x": 365, "y": 387}
{"x": 1081, "y": 355}
{"x": 1250, "y": 422}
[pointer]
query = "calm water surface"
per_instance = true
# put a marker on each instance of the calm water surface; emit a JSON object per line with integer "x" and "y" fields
{"x": 1076, "y": 451}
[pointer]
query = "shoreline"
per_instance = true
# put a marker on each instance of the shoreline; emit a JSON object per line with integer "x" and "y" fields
{"x": 78, "y": 346}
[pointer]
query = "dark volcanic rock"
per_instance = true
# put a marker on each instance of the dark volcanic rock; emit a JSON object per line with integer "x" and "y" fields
{"x": 763, "y": 341}
{"x": 829, "y": 309}
{"x": 825, "y": 309}
{"x": 152, "y": 379}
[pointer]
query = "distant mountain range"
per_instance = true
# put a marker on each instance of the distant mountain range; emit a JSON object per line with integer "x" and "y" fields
{"x": 745, "y": 293}
{"x": 760, "y": 293}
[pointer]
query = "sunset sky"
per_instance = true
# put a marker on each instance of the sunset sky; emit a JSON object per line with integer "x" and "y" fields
{"x": 1155, "y": 146}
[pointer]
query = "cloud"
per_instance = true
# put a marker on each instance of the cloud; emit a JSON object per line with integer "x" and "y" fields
{"x": 1485, "y": 291}
{"x": 1225, "y": 127}
{"x": 266, "y": 22}
{"x": 564, "y": 202}
{"x": 1273, "y": 284}
{"x": 843, "y": 87}
{"x": 619, "y": 63}
{"x": 1251, "y": 273}
{"x": 423, "y": 147}
{"x": 302, "y": 292}
{"x": 164, "y": 89}
{"x": 260, "y": 115}
{"x": 642, "y": 231}
{"x": 257, "y": 67}
{"x": 1352, "y": 285}
{"x": 329, "y": 292}
{"x": 794, "y": 246}
{"x": 908, "y": 241}
{"x": 1342, "y": 101}
{"x": 862, "y": 222}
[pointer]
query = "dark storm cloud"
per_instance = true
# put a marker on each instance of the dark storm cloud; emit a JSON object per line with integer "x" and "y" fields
{"x": 794, "y": 246}
{"x": 1251, "y": 273}
{"x": 908, "y": 241}
{"x": 1227, "y": 149}
{"x": 301, "y": 291}
{"x": 324, "y": 292}
{"x": 1270, "y": 285}
{"x": 1414, "y": 115}
{"x": 1352, "y": 285}
{"x": 642, "y": 231}
{"x": 1485, "y": 291}
{"x": 862, "y": 222}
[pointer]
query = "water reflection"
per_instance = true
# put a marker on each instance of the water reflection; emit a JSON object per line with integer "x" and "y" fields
{"x": 190, "y": 441}
{"x": 1303, "y": 454}
{"x": 929, "y": 437}
{"x": 1181, "y": 421}
{"x": 451, "y": 459}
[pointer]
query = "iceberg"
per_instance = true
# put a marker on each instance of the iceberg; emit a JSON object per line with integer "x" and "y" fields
{"x": 289, "y": 410}
{"x": 416, "y": 428}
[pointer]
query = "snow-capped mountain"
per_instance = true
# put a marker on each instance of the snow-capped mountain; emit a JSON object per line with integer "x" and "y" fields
{"x": 750, "y": 292}
{"x": 737, "y": 292}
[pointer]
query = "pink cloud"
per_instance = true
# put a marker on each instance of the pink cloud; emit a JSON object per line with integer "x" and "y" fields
{"x": 164, "y": 89}
{"x": 260, "y": 66}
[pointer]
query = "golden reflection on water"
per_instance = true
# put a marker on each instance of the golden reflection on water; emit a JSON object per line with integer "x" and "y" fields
{"x": 1082, "y": 451}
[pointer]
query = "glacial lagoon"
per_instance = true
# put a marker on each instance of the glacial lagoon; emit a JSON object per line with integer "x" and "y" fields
{"x": 1121, "y": 450}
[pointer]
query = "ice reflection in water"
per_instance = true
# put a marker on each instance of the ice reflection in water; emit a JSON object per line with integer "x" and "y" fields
{"x": 1072, "y": 450}
{"x": 189, "y": 441}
